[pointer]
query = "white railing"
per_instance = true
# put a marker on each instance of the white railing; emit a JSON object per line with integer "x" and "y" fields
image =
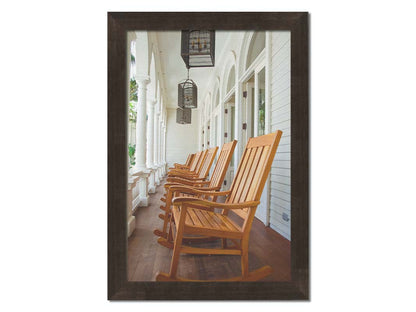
{"x": 140, "y": 184}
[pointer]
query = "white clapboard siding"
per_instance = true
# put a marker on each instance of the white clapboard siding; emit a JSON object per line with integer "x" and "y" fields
{"x": 278, "y": 186}
{"x": 280, "y": 120}
{"x": 282, "y": 98}
{"x": 180, "y": 139}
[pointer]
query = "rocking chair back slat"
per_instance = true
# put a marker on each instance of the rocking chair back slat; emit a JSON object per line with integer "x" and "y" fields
{"x": 253, "y": 171}
{"x": 195, "y": 161}
{"x": 189, "y": 159}
{"x": 209, "y": 159}
{"x": 201, "y": 161}
{"x": 221, "y": 166}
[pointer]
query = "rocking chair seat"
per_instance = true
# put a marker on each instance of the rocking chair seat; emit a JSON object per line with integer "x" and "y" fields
{"x": 199, "y": 221}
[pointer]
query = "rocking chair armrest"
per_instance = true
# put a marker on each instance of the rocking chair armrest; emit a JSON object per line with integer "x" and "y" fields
{"x": 207, "y": 203}
{"x": 175, "y": 172}
{"x": 169, "y": 185}
{"x": 178, "y": 181}
{"x": 188, "y": 181}
{"x": 179, "y": 170}
{"x": 203, "y": 182}
{"x": 190, "y": 178}
{"x": 182, "y": 174}
{"x": 206, "y": 188}
{"x": 179, "y": 166}
{"x": 196, "y": 191}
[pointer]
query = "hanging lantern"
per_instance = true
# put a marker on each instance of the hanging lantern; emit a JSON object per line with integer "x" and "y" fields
{"x": 187, "y": 94}
{"x": 183, "y": 116}
{"x": 198, "y": 48}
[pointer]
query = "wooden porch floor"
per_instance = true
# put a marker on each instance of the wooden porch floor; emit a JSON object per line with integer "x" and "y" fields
{"x": 146, "y": 257}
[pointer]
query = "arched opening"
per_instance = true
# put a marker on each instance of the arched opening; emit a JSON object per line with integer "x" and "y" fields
{"x": 231, "y": 79}
{"x": 217, "y": 98}
{"x": 257, "y": 45}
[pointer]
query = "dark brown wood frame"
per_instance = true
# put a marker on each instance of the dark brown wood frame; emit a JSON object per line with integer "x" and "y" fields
{"x": 118, "y": 286}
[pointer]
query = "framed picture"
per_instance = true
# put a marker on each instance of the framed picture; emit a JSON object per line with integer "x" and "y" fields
{"x": 250, "y": 75}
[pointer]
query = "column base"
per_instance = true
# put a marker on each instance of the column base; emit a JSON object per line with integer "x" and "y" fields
{"x": 157, "y": 175}
{"x": 164, "y": 168}
{"x": 131, "y": 225}
{"x": 152, "y": 180}
{"x": 144, "y": 201}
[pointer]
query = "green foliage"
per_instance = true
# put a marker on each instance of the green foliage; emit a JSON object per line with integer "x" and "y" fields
{"x": 132, "y": 113}
{"x": 133, "y": 90}
{"x": 132, "y": 157}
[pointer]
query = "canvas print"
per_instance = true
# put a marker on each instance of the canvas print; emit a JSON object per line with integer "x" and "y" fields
{"x": 209, "y": 155}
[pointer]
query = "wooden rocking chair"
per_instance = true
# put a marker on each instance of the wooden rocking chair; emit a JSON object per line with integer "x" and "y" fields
{"x": 190, "y": 173}
{"x": 192, "y": 166}
{"x": 203, "y": 169}
{"x": 186, "y": 165}
{"x": 192, "y": 215}
{"x": 214, "y": 184}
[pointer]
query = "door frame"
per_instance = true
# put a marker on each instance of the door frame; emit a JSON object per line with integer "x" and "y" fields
{"x": 260, "y": 63}
{"x": 227, "y": 126}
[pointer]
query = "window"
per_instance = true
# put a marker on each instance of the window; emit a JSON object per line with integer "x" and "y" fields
{"x": 262, "y": 102}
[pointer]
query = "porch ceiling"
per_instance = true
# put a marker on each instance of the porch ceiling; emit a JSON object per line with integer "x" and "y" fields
{"x": 174, "y": 69}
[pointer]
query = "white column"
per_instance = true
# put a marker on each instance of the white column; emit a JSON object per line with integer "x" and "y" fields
{"x": 163, "y": 155}
{"x": 150, "y": 143}
{"x": 159, "y": 153}
{"x": 160, "y": 144}
{"x": 142, "y": 82}
{"x": 156, "y": 147}
{"x": 156, "y": 136}
{"x": 159, "y": 156}
{"x": 150, "y": 131}
{"x": 162, "y": 139}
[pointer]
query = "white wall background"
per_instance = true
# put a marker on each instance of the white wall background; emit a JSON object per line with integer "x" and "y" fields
{"x": 181, "y": 140}
{"x": 362, "y": 204}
